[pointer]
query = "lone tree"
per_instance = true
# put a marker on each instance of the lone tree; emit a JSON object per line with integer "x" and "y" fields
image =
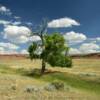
{"x": 52, "y": 49}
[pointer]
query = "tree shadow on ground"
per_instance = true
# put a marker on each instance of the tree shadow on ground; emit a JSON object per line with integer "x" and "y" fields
{"x": 36, "y": 73}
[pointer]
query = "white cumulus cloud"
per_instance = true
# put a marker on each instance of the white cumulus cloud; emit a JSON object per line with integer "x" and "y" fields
{"x": 89, "y": 48}
{"x": 17, "y": 34}
{"x": 17, "y": 17}
{"x": 24, "y": 51}
{"x": 7, "y": 23}
{"x": 4, "y": 22}
{"x": 7, "y": 45}
{"x": 85, "y": 48}
{"x": 1, "y": 49}
{"x": 8, "y": 48}
{"x": 9, "y": 52}
{"x": 73, "y": 51}
{"x": 5, "y": 10}
{"x": 16, "y": 23}
{"x": 34, "y": 38}
{"x": 98, "y": 38}
{"x": 63, "y": 22}
{"x": 73, "y": 37}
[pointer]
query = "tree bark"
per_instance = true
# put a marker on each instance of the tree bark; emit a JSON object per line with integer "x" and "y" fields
{"x": 43, "y": 61}
{"x": 43, "y": 67}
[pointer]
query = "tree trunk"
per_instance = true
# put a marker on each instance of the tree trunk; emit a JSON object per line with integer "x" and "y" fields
{"x": 43, "y": 67}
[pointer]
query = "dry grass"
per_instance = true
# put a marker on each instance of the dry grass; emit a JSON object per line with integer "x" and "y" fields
{"x": 80, "y": 66}
{"x": 7, "y": 93}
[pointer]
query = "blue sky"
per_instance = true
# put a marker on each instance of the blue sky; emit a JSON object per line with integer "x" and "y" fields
{"x": 82, "y": 35}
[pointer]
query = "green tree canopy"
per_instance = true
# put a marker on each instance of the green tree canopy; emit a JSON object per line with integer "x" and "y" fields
{"x": 53, "y": 51}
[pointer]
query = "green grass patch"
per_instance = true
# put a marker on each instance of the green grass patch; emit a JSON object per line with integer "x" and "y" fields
{"x": 5, "y": 69}
{"x": 8, "y": 70}
{"x": 74, "y": 81}
{"x": 68, "y": 79}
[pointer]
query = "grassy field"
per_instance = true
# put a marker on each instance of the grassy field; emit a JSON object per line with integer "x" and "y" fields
{"x": 82, "y": 81}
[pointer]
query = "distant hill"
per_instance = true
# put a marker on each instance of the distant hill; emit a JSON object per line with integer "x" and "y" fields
{"x": 19, "y": 56}
{"x": 11, "y": 56}
{"x": 92, "y": 55}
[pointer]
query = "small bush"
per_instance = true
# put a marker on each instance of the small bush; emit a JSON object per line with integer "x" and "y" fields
{"x": 49, "y": 87}
{"x": 58, "y": 85}
{"x": 31, "y": 89}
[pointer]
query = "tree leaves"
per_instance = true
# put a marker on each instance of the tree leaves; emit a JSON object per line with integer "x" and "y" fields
{"x": 54, "y": 50}
{"x": 32, "y": 49}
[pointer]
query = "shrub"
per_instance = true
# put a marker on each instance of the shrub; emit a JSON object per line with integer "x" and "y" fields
{"x": 58, "y": 85}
